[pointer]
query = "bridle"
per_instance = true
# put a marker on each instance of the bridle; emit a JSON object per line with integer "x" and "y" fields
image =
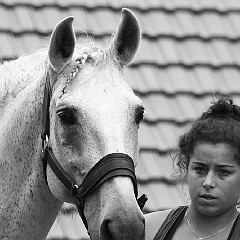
{"x": 112, "y": 165}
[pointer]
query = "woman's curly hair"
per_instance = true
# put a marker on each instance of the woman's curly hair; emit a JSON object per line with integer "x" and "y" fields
{"x": 219, "y": 124}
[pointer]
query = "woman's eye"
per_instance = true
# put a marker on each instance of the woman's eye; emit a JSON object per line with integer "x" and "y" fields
{"x": 200, "y": 170}
{"x": 224, "y": 172}
{"x": 67, "y": 117}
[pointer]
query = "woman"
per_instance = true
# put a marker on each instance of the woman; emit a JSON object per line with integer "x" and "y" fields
{"x": 209, "y": 157}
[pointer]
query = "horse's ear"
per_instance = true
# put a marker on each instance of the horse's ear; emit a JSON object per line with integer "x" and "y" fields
{"x": 127, "y": 37}
{"x": 62, "y": 43}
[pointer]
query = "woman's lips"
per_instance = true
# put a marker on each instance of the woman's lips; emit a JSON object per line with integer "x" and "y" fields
{"x": 207, "y": 196}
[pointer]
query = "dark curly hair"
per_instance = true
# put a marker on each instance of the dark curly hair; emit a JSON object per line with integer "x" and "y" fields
{"x": 219, "y": 124}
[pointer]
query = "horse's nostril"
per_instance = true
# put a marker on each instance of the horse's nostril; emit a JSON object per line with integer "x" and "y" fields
{"x": 105, "y": 232}
{"x": 111, "y": 230}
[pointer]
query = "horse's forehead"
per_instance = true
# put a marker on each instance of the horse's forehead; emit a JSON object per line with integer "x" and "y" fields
{"x": 105, "y": 85}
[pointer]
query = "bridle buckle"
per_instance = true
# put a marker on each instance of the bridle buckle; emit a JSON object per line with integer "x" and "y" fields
{"x": 45, "y": 143}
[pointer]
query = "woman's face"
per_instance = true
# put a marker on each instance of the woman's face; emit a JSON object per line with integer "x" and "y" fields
{"x": 214, "y": 178}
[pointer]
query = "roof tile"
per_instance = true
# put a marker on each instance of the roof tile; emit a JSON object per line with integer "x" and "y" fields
{"x": 182, "y": 79}
{"x": 6, "y": 46}
{"x": 179, "y": 108}
{"x": 81, "y": 22}
{"x": 31, "y": 43}
{"x": 183, "y": 24}
{"x": 7, "y": 18}
{"x": 230, "y": 80}
{"x": 234, "y": 51}
{"x": 199, "y": 80}
{"x": 84, "y": 3}
{"x": 153, "y": 166}
{"x": 232, "y": 5}
{"x": 214, "y": 4}
{"x": 185, "y": 21}
{"x": 156, "y": 22}
{"x": 163, "y": 196}
{"x": 146, "y": 53}
{"x": 189, "y": 52}
{"x": 205, "y": 79}
{"x": 174, "y": 4}
{"x": 103, "y": 21}
{"x": 126, "y": 3}
{"x": 34, "y": 3}
{"x": 136, "y": 78}
{"x": 151, "y": 138}
{"x": 234, "y": 19}
{"x": 23, "y": 20}
{"x": 217, "y": 24}
{"x": 180, "y": 23}
{"x": 158, "y": 106}
{"x": 190, "y": 5}
{"x": 148, "y": 4}
{"x": 168, "y": 50}
{"x": 193, "y": 52}
{"x": 160, "y": 136}
{"x": 47, "y": 18}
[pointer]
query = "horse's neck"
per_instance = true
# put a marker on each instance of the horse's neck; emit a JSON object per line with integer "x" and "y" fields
{"x": 21, "y": 93}
{"x": 16, "y": 75}
{"x": 26, "y": 205}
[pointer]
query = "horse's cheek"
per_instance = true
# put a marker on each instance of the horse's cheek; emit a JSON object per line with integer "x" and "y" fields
{"x": 58, "y": 190}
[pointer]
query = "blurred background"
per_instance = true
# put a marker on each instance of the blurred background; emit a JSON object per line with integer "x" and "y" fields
{"x": 190, "y": 50}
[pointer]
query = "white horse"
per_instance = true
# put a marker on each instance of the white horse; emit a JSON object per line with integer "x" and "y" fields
{"x": 92, "y": 113}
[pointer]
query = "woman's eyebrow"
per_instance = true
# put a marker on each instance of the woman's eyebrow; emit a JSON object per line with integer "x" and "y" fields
{"x": 218, "y": 165}
{"x": 199, "y": 163}
{"x": 225, "y": 165}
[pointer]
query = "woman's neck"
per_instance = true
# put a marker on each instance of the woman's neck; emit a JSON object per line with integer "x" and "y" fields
{"x": 209, "y": 224}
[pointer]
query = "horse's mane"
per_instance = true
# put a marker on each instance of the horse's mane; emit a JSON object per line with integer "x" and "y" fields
{"x": 15, "y": 75}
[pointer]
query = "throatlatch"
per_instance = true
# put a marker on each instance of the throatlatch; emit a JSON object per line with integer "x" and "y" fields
{"x": 112, "y": 165}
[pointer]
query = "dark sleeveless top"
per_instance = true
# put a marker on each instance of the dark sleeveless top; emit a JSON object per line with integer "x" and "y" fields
{"x": 169, "y": 226}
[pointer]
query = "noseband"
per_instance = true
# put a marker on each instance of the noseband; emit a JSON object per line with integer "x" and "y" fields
{"x": 112, "y": 165}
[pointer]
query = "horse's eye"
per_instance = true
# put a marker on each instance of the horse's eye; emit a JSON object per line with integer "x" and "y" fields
{"x": 67, "y": 116}
{"x": 139, "y": 115}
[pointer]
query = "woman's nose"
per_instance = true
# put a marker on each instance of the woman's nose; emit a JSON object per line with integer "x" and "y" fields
{"x": 210, "y": 180}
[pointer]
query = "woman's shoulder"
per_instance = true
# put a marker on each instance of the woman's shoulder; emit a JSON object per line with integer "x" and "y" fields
{"x": 159, "y": 216}
{"x": 153, "y": 221}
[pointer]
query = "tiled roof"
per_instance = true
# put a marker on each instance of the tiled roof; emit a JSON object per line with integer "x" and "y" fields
{"x": 190, "y": 49}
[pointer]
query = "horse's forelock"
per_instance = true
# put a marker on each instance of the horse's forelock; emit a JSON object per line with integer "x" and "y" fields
{"x": 100, "y": 55}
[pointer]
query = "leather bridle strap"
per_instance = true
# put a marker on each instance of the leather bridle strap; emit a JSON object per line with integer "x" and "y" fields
{"x": 112, "y": 165}
{"x": 46, "y": 103}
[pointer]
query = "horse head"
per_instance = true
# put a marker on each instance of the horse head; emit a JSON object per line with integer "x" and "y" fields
{"x": 94, "y": 113}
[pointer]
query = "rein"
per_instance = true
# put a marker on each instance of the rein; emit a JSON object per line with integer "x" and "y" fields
{"x": 112, "y": 165}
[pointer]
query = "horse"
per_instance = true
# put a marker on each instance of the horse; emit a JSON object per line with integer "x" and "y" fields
{"x": 90, "y": 113}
